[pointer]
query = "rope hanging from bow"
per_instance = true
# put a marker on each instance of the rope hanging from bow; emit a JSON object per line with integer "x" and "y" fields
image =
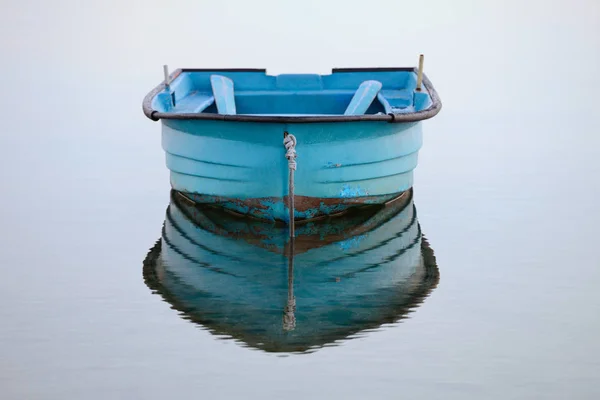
{"x": 289, "y": 141}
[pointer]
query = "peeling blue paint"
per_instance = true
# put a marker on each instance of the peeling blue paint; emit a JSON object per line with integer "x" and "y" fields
{"x": 348, "y": 191}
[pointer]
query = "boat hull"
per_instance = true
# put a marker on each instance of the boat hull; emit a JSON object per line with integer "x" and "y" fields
{"x": 241, "y": 166}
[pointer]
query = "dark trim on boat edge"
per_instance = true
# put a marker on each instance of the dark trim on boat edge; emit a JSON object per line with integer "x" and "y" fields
{"x": 429, "y": 112}
{"x": 374, "y": 69}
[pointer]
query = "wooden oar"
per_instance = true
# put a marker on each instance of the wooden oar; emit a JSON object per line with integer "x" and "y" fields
{"x": 364, "y": 96}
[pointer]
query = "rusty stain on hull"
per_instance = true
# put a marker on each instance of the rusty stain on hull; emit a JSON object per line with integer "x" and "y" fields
{"x": 313, "y": 233}
{"x": 306, "y": 208}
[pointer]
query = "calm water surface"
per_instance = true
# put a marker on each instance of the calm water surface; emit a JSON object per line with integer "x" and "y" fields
{"x": 483, "y": 285}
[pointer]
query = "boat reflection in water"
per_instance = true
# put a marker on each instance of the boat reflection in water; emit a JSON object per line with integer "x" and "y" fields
{"x": 235, "y": 276}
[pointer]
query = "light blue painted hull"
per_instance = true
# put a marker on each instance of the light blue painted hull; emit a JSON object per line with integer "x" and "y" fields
{"x": 242, "y": 166}
{"x": 232, "y": 276}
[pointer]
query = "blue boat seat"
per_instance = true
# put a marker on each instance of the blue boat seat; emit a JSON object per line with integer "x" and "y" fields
{"x": 194, "y": 103}
{"x": 394, "y": 101}
{"x": 363, "y": 97}
{"x": 222, "y": 88}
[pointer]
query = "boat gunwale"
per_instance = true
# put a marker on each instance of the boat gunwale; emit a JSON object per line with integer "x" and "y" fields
{"x": 416, "y": 116}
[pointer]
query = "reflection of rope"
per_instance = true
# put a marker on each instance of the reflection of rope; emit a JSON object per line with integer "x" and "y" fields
{"x": 289, "y": 141}
{"x": 289, "y": 319}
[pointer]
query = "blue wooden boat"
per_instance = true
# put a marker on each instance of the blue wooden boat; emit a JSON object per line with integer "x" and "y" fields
{"x": 351, "y": 137}
{"x": 246, "y": 279}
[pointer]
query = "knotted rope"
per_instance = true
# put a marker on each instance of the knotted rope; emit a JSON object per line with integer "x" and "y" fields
{"x": 289, "y": 141}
